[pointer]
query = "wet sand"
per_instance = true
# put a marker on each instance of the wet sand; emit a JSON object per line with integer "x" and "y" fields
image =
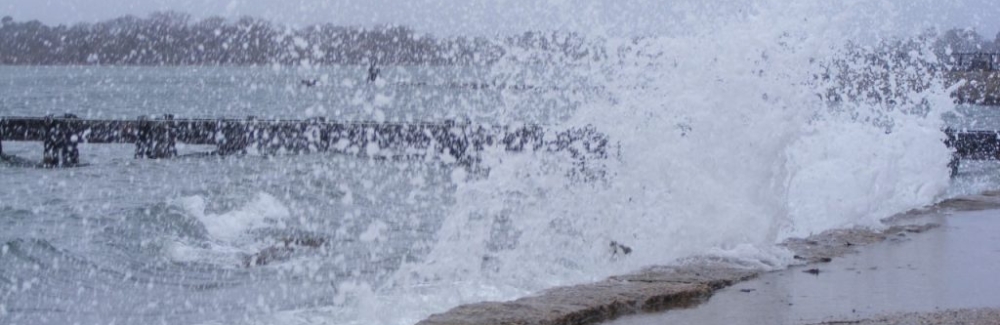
{"x": 945, "y": 275}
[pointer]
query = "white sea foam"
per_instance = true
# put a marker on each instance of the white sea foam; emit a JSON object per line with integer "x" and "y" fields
{"x": 183, "y": 251}
{"x": 263, "y": 211}
{"x": 848, "y": 174}
{"x": 726, "y": 148}
{"x": 227, "y": 231}
{"x": 723, "y": 146}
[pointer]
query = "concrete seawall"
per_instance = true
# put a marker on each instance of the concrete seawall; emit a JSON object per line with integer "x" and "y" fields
{"x": 690, "y": 283}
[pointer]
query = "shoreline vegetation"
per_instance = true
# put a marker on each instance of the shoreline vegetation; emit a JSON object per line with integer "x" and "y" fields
{"x": 173, "y": 38}
{"x": 176, "y": 38}
{"x": 884, "y": 73}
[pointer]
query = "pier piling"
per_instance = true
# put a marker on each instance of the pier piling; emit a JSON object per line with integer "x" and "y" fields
{"x": 156, "y": 140}
{"x": 233, "y": 137}
{"x": 60, "y": 142}
{"x": 316, "y": 136}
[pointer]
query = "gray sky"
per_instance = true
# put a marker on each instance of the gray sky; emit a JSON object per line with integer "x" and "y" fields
{"x": 476, "y": 17}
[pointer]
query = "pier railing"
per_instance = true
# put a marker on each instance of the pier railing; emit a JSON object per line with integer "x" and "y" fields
{"x": 156, "y": 137}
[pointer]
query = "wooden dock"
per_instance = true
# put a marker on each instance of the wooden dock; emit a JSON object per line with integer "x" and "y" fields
{"x": 156, "y": 137}
{"x": 972, "y": 145}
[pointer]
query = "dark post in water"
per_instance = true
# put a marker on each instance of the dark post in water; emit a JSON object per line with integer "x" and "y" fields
{"x": 60, "y": 142}
{"x": 373, "y": 71}
{"x": 234, "y": 137}
{"x": 155, "y": 140}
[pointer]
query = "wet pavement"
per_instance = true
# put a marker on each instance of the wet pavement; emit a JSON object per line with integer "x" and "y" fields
{"x": 954, "y": 266}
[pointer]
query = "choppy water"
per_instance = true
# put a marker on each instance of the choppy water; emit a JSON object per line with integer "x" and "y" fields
{"x": 138, "y": 241}
{"x": 404, "y": 93}
{"x": 151, "y": 241}
{"x": 722, "y": 154}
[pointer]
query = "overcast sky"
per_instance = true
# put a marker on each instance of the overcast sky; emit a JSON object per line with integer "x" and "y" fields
{"x": 477, "y": 17}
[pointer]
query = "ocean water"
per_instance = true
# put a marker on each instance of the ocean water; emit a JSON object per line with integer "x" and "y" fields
{"x": 405, "y": 93}
{"x": 723, "y": 146}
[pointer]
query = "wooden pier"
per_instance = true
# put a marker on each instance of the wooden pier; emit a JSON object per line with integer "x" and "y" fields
{"x": 977, "y": 75}
{"x": 972, "y": 145}
{"x": 156, "y": 137}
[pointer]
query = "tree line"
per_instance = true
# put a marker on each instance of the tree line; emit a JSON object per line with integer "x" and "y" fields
{"x": 962, "y": 40}
{"x": 892, "y": 70}
{"x": 172, "y": 38}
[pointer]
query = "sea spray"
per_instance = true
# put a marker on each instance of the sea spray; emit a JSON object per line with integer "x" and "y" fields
{"x": 854, "y": 174}
{"x": 728, "y": 143}
{"x": 733, "y": 126}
